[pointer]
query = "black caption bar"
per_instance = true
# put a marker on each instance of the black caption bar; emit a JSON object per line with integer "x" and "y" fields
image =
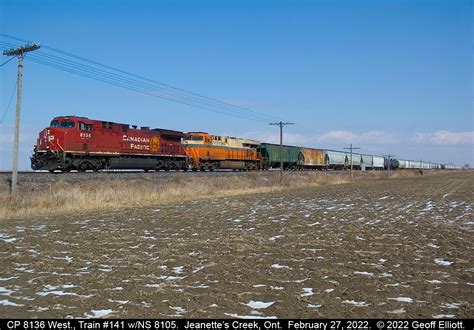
{"x": 327, "y": 324}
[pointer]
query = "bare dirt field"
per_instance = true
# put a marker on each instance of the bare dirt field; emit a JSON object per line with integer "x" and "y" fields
{"x": 388, "y": 248}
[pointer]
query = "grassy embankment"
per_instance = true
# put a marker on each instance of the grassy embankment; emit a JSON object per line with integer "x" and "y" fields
{"x": 62, "y": 197}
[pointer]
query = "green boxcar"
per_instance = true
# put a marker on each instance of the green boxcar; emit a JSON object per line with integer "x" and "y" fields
{"x": 271, "y": 155}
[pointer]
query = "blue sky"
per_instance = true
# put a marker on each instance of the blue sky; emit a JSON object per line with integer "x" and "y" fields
{"x": 389, "y": 76}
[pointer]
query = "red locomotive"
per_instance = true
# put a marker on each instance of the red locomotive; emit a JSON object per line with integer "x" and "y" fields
{"x": 78, "y": 143}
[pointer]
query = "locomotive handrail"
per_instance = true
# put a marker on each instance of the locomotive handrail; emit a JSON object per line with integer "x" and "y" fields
{"x": 59, "y": 145}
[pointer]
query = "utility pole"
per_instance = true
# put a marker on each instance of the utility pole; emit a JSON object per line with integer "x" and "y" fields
{"x": 389, "y": 161}
{"x": 20, "y": 52}
{"x": 281, "y": 124}
{"x": 351, "y": 149}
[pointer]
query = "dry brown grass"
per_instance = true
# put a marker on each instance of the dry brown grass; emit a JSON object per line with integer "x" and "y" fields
{"x": 63, "y": 197}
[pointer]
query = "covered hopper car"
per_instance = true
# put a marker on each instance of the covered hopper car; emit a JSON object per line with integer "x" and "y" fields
{"x": 310, "y": 158}
{"x": 270, "y": 154}
{"x": 337, "y": 159}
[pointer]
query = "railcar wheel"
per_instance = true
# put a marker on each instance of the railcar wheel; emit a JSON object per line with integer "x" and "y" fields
{"x": 84, "y": 166}
{"x": 173, "y": 166}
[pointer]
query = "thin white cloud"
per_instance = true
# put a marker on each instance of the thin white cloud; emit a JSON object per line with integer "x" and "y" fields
{"x": 445, "y": 138}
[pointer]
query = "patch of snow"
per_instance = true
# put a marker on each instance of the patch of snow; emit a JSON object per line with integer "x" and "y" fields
{"x": 278, "y": 266}
{"x": 259, "y": 304}
{"x": 80, "y": 222}
{"x": 99, "y": 313}
{"x": 198, "y": 269}
{"x": 451, "y": 305}
{"x": 249, "y": 316}
{"x": 356, "y": 303}
{"x": 178, "y": 270}
{"x": 178, "y": 309}
{"x": 274, "y": 238}
{"x": 384, "y": 197}
{"x": 329, "y": 290}
{"x": 7, "y": 239}
{"x": 314, "y": 306}
{"x": 56, "y": 293}
{"x": 307, "y": 292}
{"x": 364, "y": 273}
{"x": 7, "y": 302}
{"x": 8, "y": 278}
{"x": 157, "y": 285}
{"x": 397, "y": 311}
{"x": 442, "y": 262}
{"x": 171, "y": 278}
{"x": 5, "y": 291}
{"x": 402, "y": 299}
{"x": 428, "y": 207}
{"x": 443, "y": 316}
{"x": 434, "y": 281}
{"x": 385, "y": 275}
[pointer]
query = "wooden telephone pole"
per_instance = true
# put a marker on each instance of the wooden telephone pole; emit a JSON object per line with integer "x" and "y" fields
{"x": 281, "y": 124}
{"x": 20, "y": 52}
{"x": 352, "y": 148}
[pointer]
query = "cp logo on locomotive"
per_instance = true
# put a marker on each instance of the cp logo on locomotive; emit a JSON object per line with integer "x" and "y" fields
{"x": 154, "y": 144}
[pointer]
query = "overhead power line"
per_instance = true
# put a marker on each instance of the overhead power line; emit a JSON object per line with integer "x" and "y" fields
{"x": 138, "y": 86}
{"x": 94, "y": 70}
{"x": 9, "y": 103}
{"x": 6, "y": 62}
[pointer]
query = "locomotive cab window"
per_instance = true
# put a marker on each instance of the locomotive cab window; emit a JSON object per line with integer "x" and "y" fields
{"x": 197, "y": 138}
{"x": 85, "y": 127}
{"x": 64, "y": 124}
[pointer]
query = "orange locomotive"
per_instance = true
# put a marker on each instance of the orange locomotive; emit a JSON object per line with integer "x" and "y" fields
{"x": 210, "y": 152}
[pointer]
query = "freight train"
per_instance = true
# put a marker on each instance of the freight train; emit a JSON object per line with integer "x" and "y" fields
{"x": 72, "y": 143}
